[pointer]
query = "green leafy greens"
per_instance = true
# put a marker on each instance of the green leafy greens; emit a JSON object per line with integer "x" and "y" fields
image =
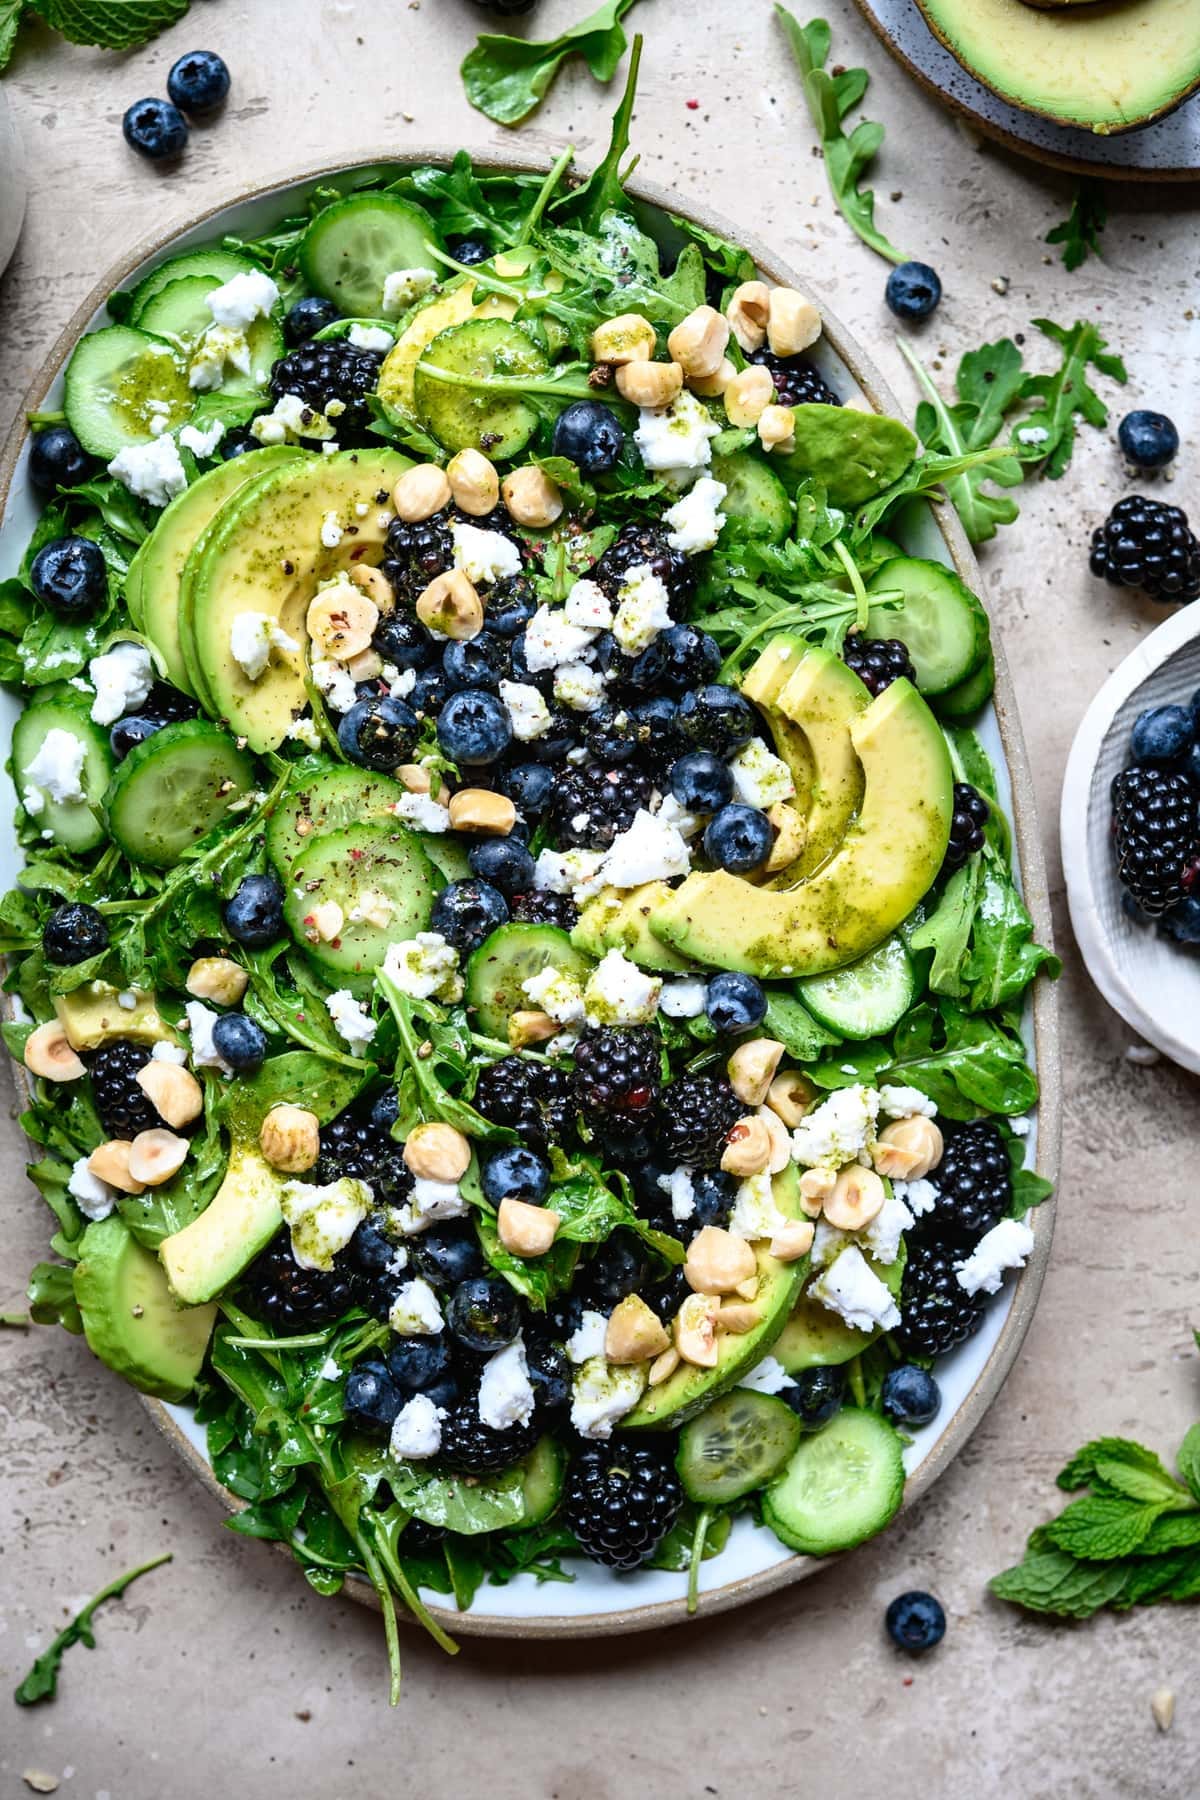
{"x": 108, "y": 24}
{"x": 508, "y": 77}
{"x": 1079, "y": 233}
{"x": 41, "y": 1683}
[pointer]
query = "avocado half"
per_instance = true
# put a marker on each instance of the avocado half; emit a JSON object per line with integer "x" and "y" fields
{"x": 1106, "y": 67}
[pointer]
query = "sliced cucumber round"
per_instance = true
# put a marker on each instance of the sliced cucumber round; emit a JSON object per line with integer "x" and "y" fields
{"x": 173, "y": 788}
{"x": 119, "y": 384}
{"x": 180, "y": 310}
{"x": 754, "y": 496}
{"x": 324, "y": 797}
{"x": 965, "y": 700}
{"x": 76, "y": 824}
{"x": 498, "y": 422}
{"x": 842, "y": 1485}
{"x": 508, "y": 958}
{"x": 737, "y": 1444}
{"x": 352, "y": 247}
{"x": 867, "y": 997}
{"x": 378, "y": 872}
{"x": 541, "y": 1481}
{"x": 448, "y": 854}
{"x": 215, "y": 265}
{"x": 940, "y": 620}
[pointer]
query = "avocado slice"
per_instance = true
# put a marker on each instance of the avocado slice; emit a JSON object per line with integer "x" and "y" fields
{"x": 815, "y": 1336}
{"x": 852, "y": 455}
{"x": 92, "y": 1015}
{"x": 240, "y": 1220}
{"x": 885, "y": 864}
{"x": 763, "y": 683}
{"x": 620, "y": 920}
{"x": 689, "y": 1389}
{"x": 1107, "y": 68}
{"x": 263, "y": 553}
{"x": 131, "y": 1319}
{"x": 152, "y": 585}
{"x": 823, "y": 697}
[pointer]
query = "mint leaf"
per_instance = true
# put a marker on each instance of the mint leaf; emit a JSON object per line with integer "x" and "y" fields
{"x": 508, "y": 77}
{"x": 1146, "y": 1485}
{"x": 1189, "y": 1460}
{"x": 1079, "y": 233}
{"x": 1083, "y": 1465}
{"x": 1050, "y": 1581}
{"x": 1174, "y": 1531}
{"x": 1098, "y": 1528}
{"x": 111, "y": 24}
{"x": 1047, "y": 436}
{"x": 11, "y": 12}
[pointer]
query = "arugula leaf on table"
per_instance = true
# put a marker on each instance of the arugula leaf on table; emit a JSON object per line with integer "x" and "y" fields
{"x": 508, "y": 77}
{"x": 830, "y": 97}
{"x": 988, "y": 382}
{"x": 41, "y": 1683}
{"x": 604, "y": 189}
{"x": 1047, "y": 435}
{"x": 1079, "y": 233}
{"x": 111, "y": 24}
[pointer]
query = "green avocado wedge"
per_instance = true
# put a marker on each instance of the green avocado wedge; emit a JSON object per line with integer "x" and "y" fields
{"x": 240, "y": 1220}
{"x": 814, "y": 1337}
{"x": 619, "y": 919}
{"x": 853, "y": 455}
{"x": 131, "y": 1319}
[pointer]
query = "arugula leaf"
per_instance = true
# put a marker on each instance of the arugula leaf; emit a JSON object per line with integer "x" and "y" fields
{"x": 1048, "y": 434}
{"x": 988, "y": 381}
{"x": 965, "y": 1064}
{"x": 111, "y": 24}
{"x": 508, "y": 77}
{"x": 11, "y": 12}
{"x": 603, "y": 191}
{"x": 791, "y": 1024}
{"x": 1079, "y": 233}
{"x": 51, "y": 1294}
{"x": 493, "y": 1503}
{"x": 830, "y": 97}
{"x": 41, "y": 1683}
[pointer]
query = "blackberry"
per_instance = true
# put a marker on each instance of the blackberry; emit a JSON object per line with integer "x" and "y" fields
{"x": 1154, "y": 832}
{"x": 620, "y": 1500}
{"x": 696, "y": 1116}
{"x": 637, "y": 544}
{"x": 797, "y": 382}
{"x": 416, "y": 552}
{"x": 936, "y": 1313}
{"x": 335, "y": 370}
{"x": 878, "y": 661}
{"x": 355, "y": 1145}
{"x": 974, "y": 1180}
{"x": 589, "y": 806}
{"x": 509, "y": 604}
{"x": 533, "y": 1099}
{"x": 966, "y": 827}
{"x": 1147, "y": 544}
{"x": 617, "y": 1077}
{"x": 474, "y": 1448}
{"x": 124, "y": 1109}
{"x": 540, "y": 907}
{"x": 292, "y": 1299}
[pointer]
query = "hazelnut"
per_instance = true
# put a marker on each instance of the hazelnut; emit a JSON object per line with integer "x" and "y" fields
{"x": 790, "y": 837}
{"x": 110, "y": 1162}
{"x": 634, "y": 1334}
{"x": 627, "y": 339}
{"x": 696, "y": 1330}
{"x": 698, "y": 342}
{"x": 747, "y": 312}
{"x": 420, "y": 492}
{"x": 532, "y": 498}
{"x": 751, "y": 1069}
{"x": 738, "y": 1318}
{"x": 375, "y": 585}
{"x": 718, "y": 1262}
{"x": 663, "y": 1367}
{"x": 154, "y": 1156}
{"x": 437, "y": 1152}
{"x": 525, "y": 1230}
{"x": 414, "y": 777}
{"x": 790, "y": 1095}
{"x": 479, "y": 809}
{"x": 451, "y": 605}
{"x": 529, "y": 1026}
{"x": 651, "y": 384}
{"x": 711, "y": 387}
{"x": 474, "y": 482}
{"x": 49, "y": 1054}
{"x": 907, "y": 1149}
{"x": 216, "y": 978}
{"x": 366, "y": 666}
{"x": 748, "y": 1148}
{"x": 857, "y": 1196}
{"x": 324, "y": 923}
{"x": 748, "y": 395}
{"x": 777, "y": 428}
{"x": 793, "y": 1241}
{"x": 781, "y": 1140}
{"x": 816, "y": 1185}
{"x": 793, "y": 323}
{"x": 173, "y": 1092}
{"x": 289, "y": 1138}
{"x": 341, "y": 621}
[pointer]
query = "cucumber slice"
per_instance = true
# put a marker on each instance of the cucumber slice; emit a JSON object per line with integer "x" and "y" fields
{"x": 737, "y": 1444}
{"x": 842, "y": 1485}
{"x": 449, "y": 856}
{"x": 462, "y": 418}
{"x": 324, "y": 797}
{"x": 939, "y": 619}
{"x": 115, "y": 384}
{"x": 965, "y": 700}
{"x": 180, "y": 310}
{"x": 381, "y": 868}
{"x": 541, "y": 1481}
{"x": 508, "y": 958}
{"x": 217, "y": 266}
{"x": 172, "y": 789}
{"x": 77, "y": 824}
{"x": 867, "y": 997}
{"x": 352, "y": 247}
{"x": 755, "y": 496}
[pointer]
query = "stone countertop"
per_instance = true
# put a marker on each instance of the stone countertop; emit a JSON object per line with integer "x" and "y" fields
{"x": 224, "y": 1664}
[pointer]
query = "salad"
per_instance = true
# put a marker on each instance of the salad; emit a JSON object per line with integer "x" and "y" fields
{"x": 517, "y": 965}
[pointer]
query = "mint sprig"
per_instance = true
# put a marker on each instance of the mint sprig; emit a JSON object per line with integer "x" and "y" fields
{"x": 107, "y": 24}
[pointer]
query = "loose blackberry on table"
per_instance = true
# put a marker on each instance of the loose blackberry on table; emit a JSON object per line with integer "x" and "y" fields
{"x": 1147, "y": 544}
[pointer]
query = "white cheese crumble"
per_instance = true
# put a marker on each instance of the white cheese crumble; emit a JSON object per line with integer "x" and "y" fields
{"x": 292, "y": 418}
{"x": 919, "y": 1196}
{"x": 417, "y": 1430}
{"x": 587, "y": 1340}
{"x": 331, "y": 531}
{"x": 602, "y": 1393}
{"x": 304, "y": 731}
{"x": 851, "y": 1288}
{"x": 425, "y": 968}
{"x": 677, "y": 1184}
{"x": 322, "y": 1220}
{"x": 579, "y": 687}
{"x": 370, "y": 337}
{"x": 506, "y": 1396}
{"x": 767, "y": 1377}
{"x": 575, "y": 872}
{"x": 152, "y": 472}
{"x": 335, "y": 682}
{"x": 551, "y": 639}
{"x": 756, "y": 1213}
{"x": 484, "y": 556}
{"x": 643, "y": 610}
{"x": 423, "y": 811}
{"x": 56, "y": 769}
{"x": 684, "y": 997}
{"x": 202, "y": 440}
{"x": 33, "y": 801}
{"x": 619, "y": 993}
{"x": 172, "y": 1053}
{"x": 527, "y": 710}
{"x": 882, "y": 1236}
{"x": 557, "y": 994}
{"x": 759, "y": 777}
{"x": 415, "y": 1311}
{"x": 351, "y": 1020}
{"x": 428, "y": 1201}
{"x": 669, "y": 812}
{"x": 838, "y": 1130}
{"x": 219, "y": 349}
{"x": 252, "y": 637}
{"x": 647, "y": 850}
{"x": 1005, "y": 1246}
{"x": 330, "y": 1370}
{"x": 905, "y": 1102}
{"x": 205, "y": 1054}
{"x": 242, "y": 299}
{"x": 677, "y": 439}
{"x": 94, "y": 1198}
{"x": 588, "y": 606}
{"x": 696, "y": 519}
{"x": 403, "y": 288}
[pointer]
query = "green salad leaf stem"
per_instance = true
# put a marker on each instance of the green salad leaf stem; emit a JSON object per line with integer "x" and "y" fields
{"x": 41, "y": 1683}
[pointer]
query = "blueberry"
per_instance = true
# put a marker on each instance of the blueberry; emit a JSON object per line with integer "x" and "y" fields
{"x": 372, "y": 1398}
{"x": 1148, "y": 439}
{"x": 474, "y": 728}
{"x": 509, "y": 606}
{"x": 701, "y": 781}
{"x": 549, "y": 1374}
{"x": 240, "y": 1041}
{"x": 371, "y": 1251}
{"x": 254, "y": 916}
{"x": 735, "y": 1002}
{"x": 447, "y": 1255}
{"x": 528, "y": 786}
{"x": 505, "y": 863}
{"x": 911, "y": 1396}
{"x": 619, "y": 1268}
{"x": 610, "y": 733}
{"x": 385, "y": 1111}
{"x": 465, "y": 912}
{"x": 308, "y": 316}
{"x": 915, "y": 1622}
{"x": 589, "y": 434}
{"x": 404, "y": 641}
{"x": 73, "y": 933}
{"x": 379, "y": 733}
{"x": 515, "y": 1173}
{"x": 645, "y": 674}
{"x": 1161, "y": 735}
{"x": 70, "y": 576}
{"x": 913, "y": 290}
{"x": 689, "y": 657}
{"x": 738, "y": 838}
{"x": 479, "y": 662}
{"x": 128, "y": 733}
{"x": 484, "y": 1313}
{"x": 815, "y": 1395}
{"x": 717, "y": 718}
{"x": 236, "y": 443}
{"x": 155, "y": 129}
{"x": 658, "y": 734}
{"x": 416, "y": 1361}
{"x": 429, "y": 692}
{"x": 542, "y": 679}
{"x": 1182, "y": 923}
{"x": 198, "y": 82}
{"x": 559, "y": 738}
{"x": 57, "y": 459}
{"x": 469, "y": 250}
{"x": 713, "y": 1195}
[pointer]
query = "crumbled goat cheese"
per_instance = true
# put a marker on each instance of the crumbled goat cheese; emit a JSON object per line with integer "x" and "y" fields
{"x": 304, "y": 731}
{"x": 94, "y": 1197}
{"x": 152, "y": 472}
{"x": 1032, "y": 434}
{"x": 767, "y": 1377}
{"x": 575, "y": 872}
{"x": 415, "y": 1311}
{"x": 423, "y": 811}
{"x": 291, "y": 418}
{"x": 219, "y": 349}
{"x": 919, "y": 1196}
{"x": 587, "y": 1340}
{"x": 57, "y": 767}
{"x": 579, "y": 687}
{"x": 416, "y": 1430}
{"x": 557, "y": 994}
{"x": 370, "y": 337}
{"x": 527, "y": 710}
{"x": 588, "y": 606}
{"x": 678, "y": 1185}
{"x": 684, "y": 997}
{"x": 506, "y": 1396}
{"x": 551, "y": 639}
{"x": 33, "y": 801}
{"x": 851, "y": 1288}
{"x": 335, "y": 682}
{"x": 427, "y": 1203}
{"x": 602, "y": 1393}
{"x": 351, "y": 1020}
{"x": 401, "y": 682}
{"x": 172, "y": 1053}
{"x": 330, "y": 1370}
{"x": 669, "y": 812}
{"x": 840, "y": 1128}
{"x": 127, "y": 1000}
{"x": 882, "y": 1236}
{"x": 905, "y": 1102}
{"x": 202, "y": 440}
{"x": 755, "y": 1212}
{"x": 322, "y": 1220}
{"x": 619, "y": 993}
{"x": 760, "y": 778}
{"x": 402, "y": 288}
{"x": 827, "y": 1243}
{"x": 331, "y": 531}
{"x": 643, "y": 610}
{"x": 484, "y": 556}
{"x": 696, "y": 520}
{"x": 647, "y": 850}
{"x": 242, "y": 299}
{"x": 252, "y": 637}
{"x": 677, "y": 439}
{"x": 1019, "y": 1127}
{"x": 1005, "y": 1246}
{"x": 425, "y": 968}
{"x": 205, "y": 1054}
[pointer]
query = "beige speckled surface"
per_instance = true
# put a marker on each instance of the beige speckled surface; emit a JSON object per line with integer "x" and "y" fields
{"x": 222, "y": 1669}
